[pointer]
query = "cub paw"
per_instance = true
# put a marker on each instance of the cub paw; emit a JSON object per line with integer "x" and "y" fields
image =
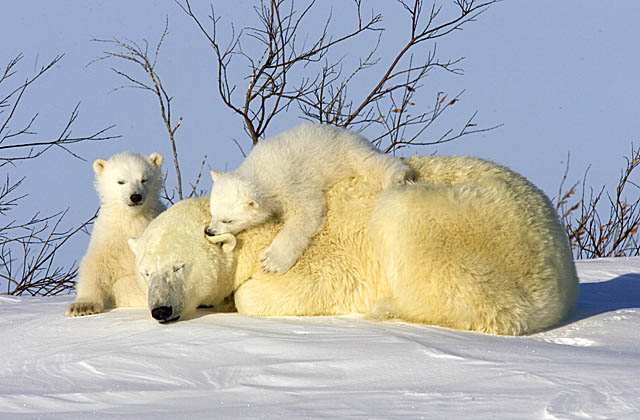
{"x": 399, "y": 177}
{"x": 84, "y": 308}
{"x": 277, "y": 261}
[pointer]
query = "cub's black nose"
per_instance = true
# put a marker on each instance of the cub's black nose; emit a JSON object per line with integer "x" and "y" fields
{"x": 209, "y": 232}
{"x": 135, "y": 198}
{"x": 162, "y": 313}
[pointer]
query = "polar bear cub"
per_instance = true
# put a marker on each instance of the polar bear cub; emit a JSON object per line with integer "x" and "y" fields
{"x": 286, "y": 177}
{"x": 128, "y": 185}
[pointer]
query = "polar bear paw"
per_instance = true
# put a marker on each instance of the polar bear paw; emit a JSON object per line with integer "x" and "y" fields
{"x": 277, "y": 260}
{"x": 84, "y": 308}
{"x": 399, "y": 177}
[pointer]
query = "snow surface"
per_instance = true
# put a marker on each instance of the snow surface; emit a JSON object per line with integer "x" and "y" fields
{"x": 123, "y": 364}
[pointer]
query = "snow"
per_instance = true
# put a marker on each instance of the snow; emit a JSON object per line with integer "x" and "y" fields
{"x": 123, "y": 364}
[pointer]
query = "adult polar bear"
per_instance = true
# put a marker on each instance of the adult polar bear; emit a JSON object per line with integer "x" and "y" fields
{"x": 472, "y": 245}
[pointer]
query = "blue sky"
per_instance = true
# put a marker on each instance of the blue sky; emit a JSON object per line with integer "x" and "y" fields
{"x": 562, "y": 76}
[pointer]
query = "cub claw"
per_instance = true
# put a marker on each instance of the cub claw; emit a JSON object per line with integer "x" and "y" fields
{"x": 84, "y": 308}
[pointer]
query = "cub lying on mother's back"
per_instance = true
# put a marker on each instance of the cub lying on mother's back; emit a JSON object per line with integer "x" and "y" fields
{"x": 286, "y": 177}
{"x": 129, "y": 187}
{"x": 470, "y": 245}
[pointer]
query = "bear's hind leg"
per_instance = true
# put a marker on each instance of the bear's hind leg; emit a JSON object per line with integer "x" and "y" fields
{"x": 128, "y": 293}
{"x": 460, "y": 281}
{"x": 389, "y": 169}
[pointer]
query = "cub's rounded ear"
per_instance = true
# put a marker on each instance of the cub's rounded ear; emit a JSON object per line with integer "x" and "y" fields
{"x": 156, "y": 159}
{"x": 133, "y": 244}
{"x": 215, "y": 175}
{"x": 226, "y": 240}
{"x": 252, "y": 205}
{"x": 98, "y": 166}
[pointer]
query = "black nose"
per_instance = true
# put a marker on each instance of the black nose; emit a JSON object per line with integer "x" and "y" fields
{"x": 162, "y": 313}
{"x": 135, "y": 198}
{"x": 209, "y": 232}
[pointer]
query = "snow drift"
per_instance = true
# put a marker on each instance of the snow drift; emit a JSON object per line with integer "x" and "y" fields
{"x": 124, "y": 364}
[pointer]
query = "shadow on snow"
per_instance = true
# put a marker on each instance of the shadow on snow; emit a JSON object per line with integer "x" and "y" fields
{"x": 623, "y": 292}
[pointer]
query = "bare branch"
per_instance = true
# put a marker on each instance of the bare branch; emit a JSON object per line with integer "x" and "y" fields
{"x": 267, "y": 93}
{"x": 130, "y": 51}
{"x": 28, "y": 248}
{"x": 592, "y": 235}
{"x": 194, "y": 185}
{"x": 29, "y": 268}
{"x": 276, "y": 51}
{"x": 468, "y": 12}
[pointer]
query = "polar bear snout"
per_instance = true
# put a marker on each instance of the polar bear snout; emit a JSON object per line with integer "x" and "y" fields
{"x": 163, "y": 313}
{"x": 209, "y": 231}
{"x": 165, "y": 298}
{"x": 136, "y": 199}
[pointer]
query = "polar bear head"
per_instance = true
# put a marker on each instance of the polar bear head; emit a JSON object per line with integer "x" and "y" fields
{"x": 127, "y": 179}
{"x": 179, "y": 266}
{"x": 236, "y": 204}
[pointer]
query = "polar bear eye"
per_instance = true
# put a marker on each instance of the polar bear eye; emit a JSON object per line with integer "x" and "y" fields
{"x": 177, "y": 268}
{"x": 226, "y": 221}
{"x": 121, "y": 182}
{"x": 144, "y": 180}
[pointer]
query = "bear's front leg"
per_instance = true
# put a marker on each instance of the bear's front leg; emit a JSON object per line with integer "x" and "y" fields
{"x": 82, "y": 308}
{"x": 295, "y": 236}
{"x": 92, "y": 289}
{"x": 283, "y": 252}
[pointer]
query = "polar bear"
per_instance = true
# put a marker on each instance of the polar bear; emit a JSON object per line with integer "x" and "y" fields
{"x": 470, "y": 245}
{"x": 128, "y": 185}
{"x": 286, "y": 177}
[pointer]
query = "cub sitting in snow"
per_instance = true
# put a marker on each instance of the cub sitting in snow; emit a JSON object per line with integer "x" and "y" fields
{"x": 128, "y": 185}
{"x": 286, "y": 177}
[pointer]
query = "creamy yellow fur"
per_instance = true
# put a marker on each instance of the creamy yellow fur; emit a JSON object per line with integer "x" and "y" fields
{"x": 106, "y": 274}
{"x": 472, "y": 245}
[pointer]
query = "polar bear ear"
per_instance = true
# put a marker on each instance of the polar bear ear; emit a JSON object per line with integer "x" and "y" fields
{"x": 252, "y": 205}
{"x": 226, "y": 240}
{"x": 215, "y": 175}
{"x": 156, "y": 159}
{"x": 133, "y": 244}
{"x": 98, "y": 166}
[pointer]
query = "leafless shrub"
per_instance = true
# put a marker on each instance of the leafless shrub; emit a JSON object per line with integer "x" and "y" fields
{"x": 27, "y": 260}
{"x": 281, "y": 62}
{"x": 282, "y": 67}
{"x": 593, "y": 233}
{"x": 139, "y": 54}
{"x": 28, "y": 248}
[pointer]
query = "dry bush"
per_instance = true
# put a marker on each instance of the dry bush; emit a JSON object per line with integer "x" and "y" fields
{"x": 139, "y": 54}
{"x": 28, "y": 247}
{"x": 277, "y": 66}
{"x": 602, "y": 223}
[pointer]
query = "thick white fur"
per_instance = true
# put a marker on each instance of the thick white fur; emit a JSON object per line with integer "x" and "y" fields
{"x": 286, "y": 177}
{"x": 128, "y": 185}
{"x": 168, "y": 275}
{"x": 472, "y": 245}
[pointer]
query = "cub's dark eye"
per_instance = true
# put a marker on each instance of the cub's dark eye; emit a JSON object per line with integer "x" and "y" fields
{"x": 121, "y": 182}
{"x": 178, "y": 268}
{"x": 144, "y": 180}
{"x": 226, "y": 221}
